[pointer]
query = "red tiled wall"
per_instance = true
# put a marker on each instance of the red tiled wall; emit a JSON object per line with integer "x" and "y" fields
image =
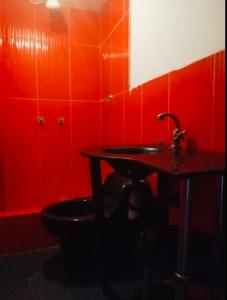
{"x": 50, "y": 67}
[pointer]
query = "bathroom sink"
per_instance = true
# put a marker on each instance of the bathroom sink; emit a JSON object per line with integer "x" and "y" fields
{"x": 134, "y": 149}
{"x": 129, "y": 167}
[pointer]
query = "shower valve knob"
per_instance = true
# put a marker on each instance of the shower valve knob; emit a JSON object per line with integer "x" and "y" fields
{"x": 41, "y": 120}
{"x": 61, "y": 120}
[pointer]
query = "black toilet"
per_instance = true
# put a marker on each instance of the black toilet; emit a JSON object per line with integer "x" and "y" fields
{"x": 84, "y": 239}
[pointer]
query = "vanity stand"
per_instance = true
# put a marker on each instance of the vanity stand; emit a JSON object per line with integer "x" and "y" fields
{"x": 183, "y": 164}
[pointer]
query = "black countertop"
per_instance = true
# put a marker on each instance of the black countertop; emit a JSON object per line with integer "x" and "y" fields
{"x": 182, "y": 163}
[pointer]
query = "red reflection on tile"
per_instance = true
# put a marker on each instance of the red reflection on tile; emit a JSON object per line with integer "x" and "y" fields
{"x": 19, "y": 51}
{"x": 133, "y": 110}
{"x": 219, "y": 131}
{"x": 56, "y": 178}
{"x": 86, "y": 129}
{"x": 106, "y": 122}
{"x": 19, "y": 80}
{"x": 191, "y": 99}
{"x": 18, "y": 14}
{"x": 81, "y": 177}
{"x": 84, "y": 27}
{"x": 126, "y": 6}
{"x": 119, "y": 58}
{"x": 106, "y": 71}
{"x": 55, "y": 137}
{"x": 117, "y": 11}
{"x": 117, "y": 120}
{"x": 105, "y": 21}
{"x": 53, "y": 53}
{"x": 19, "y": 127}
{"x": 119, "y": 71}
{"x": 120, "y": 35}
{"x": 155, "y": 101}
{"x": 22, "y": 189}
{"x": 85, "y": 72}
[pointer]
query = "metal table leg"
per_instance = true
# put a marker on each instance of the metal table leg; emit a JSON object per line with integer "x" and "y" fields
{"x": 183, "y": 240}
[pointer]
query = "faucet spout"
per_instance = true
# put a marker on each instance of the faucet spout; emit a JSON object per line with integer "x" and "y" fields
{"x": 177, "y": 133}
{"x": 162, "y": 116}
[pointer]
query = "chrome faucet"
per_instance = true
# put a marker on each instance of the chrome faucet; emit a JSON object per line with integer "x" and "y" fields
{"x": 178, "y": 134}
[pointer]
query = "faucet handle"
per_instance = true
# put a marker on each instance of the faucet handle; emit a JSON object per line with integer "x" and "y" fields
{"x": 181, "y": 134}
{"x": 178, "y": 134}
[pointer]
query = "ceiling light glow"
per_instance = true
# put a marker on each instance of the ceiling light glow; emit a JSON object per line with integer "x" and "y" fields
{"x": 52, "y": 4}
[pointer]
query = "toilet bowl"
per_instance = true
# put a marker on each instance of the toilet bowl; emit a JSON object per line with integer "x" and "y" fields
{"x": 66, "y": 218}
{"x": 88, "y": 242}
{"x": 74, "y": 223}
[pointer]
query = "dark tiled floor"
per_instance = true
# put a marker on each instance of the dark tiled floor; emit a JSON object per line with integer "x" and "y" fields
{"x": 40, "y": 275}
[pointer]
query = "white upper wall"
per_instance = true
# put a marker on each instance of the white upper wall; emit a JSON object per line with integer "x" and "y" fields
{"x": 170, "y": 34}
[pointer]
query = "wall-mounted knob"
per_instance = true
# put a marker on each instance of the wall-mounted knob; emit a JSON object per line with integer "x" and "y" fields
{"x": 110, "y": 98}
{"x": 41, "y": 120}
{"x": 61, "y": 120}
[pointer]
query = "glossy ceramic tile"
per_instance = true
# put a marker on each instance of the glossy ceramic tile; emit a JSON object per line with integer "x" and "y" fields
{"x": 117, "y": 130}
{"x": 81, "y": 177}
{"x": 105, "y": 122}
{"x": 56, "y": 178}
{"x": 18, "y": 14}
{"x": 85, "y": 72}
{"x": 22, "y": 189}
{"x": 133, "y": 116}
{"x": 119, "y": 58}
{"x": 105, "y": 71}
{"x": 219, "y": 103}
{"x": 105, "y": 21}
{"x": 19, "y": 49}
{"x": 19, "y": 69}
{"x": 52, "y": 53}
{"x": 117, "y": 12}
{"x": 55, "y": 132}
{"x": 86, "y": 131}
{"x": 126, "y": 6}
{"x": 84, "y": 27}
{"x": 120, "y": 36}
{"x": 191, "y": 99}
{"x": 119, "y": 72}
{"x": 155, "y": 101}
{"x": 19, "y": 127}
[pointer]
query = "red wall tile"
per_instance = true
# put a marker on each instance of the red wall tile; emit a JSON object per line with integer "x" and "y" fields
{"x": 56, "y": 178}
{"x": 81, "y": 176}
{"x": 85, "y": 72}
{"x": 117, "y": 120}
{"x": 55, "y": 137}
{"x": 84, "y": 27}
{"x": 219, "y": 103}
{"x": 191, "y": 99}
{"x": 133, "y": 116}
{"x": 155, "y": 101}
{"x": 21, "y": 179}
{"x": 85, "y": 125}
{"x": 19, "y": 127}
